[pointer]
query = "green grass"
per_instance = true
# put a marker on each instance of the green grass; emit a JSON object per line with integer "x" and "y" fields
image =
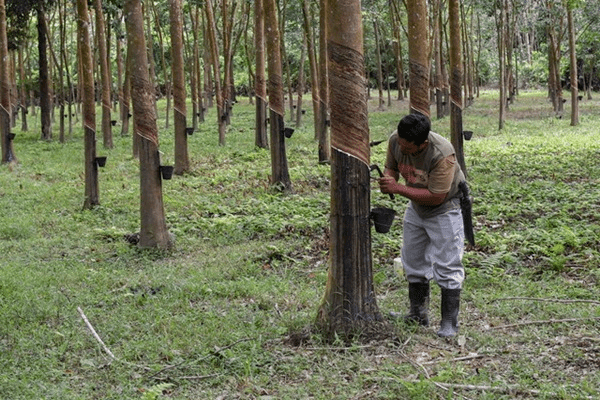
{"x": 213, "y": 317}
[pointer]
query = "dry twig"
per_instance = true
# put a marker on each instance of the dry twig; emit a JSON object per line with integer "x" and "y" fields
{"x": 567, "y": 301}
{"x": 549, "y": 321}
{"x": 106, "y": 349}
{"x": 91, "y": 328}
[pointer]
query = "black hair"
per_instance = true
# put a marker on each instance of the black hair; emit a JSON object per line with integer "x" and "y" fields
{"x": 414, "y": 128}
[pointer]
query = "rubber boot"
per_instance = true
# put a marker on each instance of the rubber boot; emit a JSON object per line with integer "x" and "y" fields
{"x": 450, "y": 306}
{"x": 418, "y": 295}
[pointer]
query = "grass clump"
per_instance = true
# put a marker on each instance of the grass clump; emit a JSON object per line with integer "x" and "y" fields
{"x": 227, "y": 313}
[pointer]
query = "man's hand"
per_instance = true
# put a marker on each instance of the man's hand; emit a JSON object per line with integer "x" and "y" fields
{"x": 422, "y": 196}
{"x": 388, "y": 184}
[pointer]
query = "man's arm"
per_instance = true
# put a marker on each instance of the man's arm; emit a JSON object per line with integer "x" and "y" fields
{"x": 422, "y": 196}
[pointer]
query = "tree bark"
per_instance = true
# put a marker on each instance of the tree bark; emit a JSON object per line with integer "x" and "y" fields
{"x": 22, "y": 91}
{"x": 312, "y": 59}
{"x": 437, "y": 58}
{"x": 381, "y": 101}
{"x": 456, "y": 103}
{"x": 260, "y": 84}
{"x": 279, "y": 167}
{"x": 89, "y": 107}
{"x": 194, "y": 73}
{"x": 45, "y": 87}
{"x": 168, "y": 86}
{"x": 573, "y": 62}
{"x": 501, "y": 26}
{"x": 349, "y": 305}
{"x": 182, "y": 163}
{"x": 153, "y": 232}
{"x": 300, "y": 88}
{"x": 5, "y": 109}
{"x": 323, "y": 136}
{"x": 418, "y": 51}
{"x": 214, "y": 51}
{"x": 398, "y": 48}
{"x": 104, "y": 71}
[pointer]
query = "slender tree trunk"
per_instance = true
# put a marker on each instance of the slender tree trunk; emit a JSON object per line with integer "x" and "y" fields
{"x": 398, "y": 48}
{"x": 437, "y": 57}
{"x": 349, "y": 305}
{"x": 182, "y": 163}
{"x": 379, "y": 66}
{"x": 418, "y": 50}
{"x": 70, "y": 97}
{"x": 126, "y": 111}
{"x": 23, "y": 91}
{"x": 61, "y": 90}
{"x": 153, "y": 232}
{"x": 8, "y": 155}
{"x": 198, "y": 70}
{"x": 300, "y": 88}
{"x": 12, "y": 73}
{"x": 323, "y": 135}
{"x": 89, "y": 107}
{"x": 590, "y": 81}
{"x": 120, "y": 72}
{"x": 207, "y": 56}
{"x": 501, "y": 25}
{"x": 573, "y": 59}
{"x": 194, "y": 75}
{"x": 45, "y": 87}
{"x": 279, "y": 166}
{"x": 227, "y": 87}
{"x": 163, "y": 62}
{"x": 260, "y": 83}
{"x": 444, "y": 55}
{"x": 63, "y": 67}
{"x": 104, "y": 71}
{"x": 312, "y": 59}
{"x": 456, "y": 103}
{"x": 285, "y": 60}
{"x": 212, "y": 35}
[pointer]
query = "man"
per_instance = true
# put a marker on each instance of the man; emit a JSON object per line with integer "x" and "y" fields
{"x": 433, "y": 225}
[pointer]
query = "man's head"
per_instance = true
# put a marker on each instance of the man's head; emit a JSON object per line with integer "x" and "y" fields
{"x": 413, "y": 131}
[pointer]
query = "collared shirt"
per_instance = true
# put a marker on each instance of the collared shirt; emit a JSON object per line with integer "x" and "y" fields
{"x": 435, "y": 169}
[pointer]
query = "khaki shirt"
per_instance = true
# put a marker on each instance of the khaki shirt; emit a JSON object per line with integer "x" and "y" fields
{"x": 435, "y": 169}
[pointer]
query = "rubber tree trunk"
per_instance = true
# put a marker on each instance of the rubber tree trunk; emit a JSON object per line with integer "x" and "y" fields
{"x": 23, "y": 91}
{"x": 45, "y": 95}
{"x": 194, "y": 75}
{"x": 456, "y": 82}
{"x": 153, "y": 232}
{"x": 501, "y": 26}
{"x": 324, "y": 122}
{"x": 301, "y": 83}
{"x": 226, "y": 36}
{"x": 182, "y": 163}
{"x": 260, "y": 83}
{"x": 437, "y": 58}
{"x": 418, "y": 56}
{"x": 349, "y": 305}
{"x": 104, "y": 71}
{"x": 214, "y": 51}
{"x": 198, "y": 67}
{"x": 573, "y": 65}
{"x": 381, "y": 101}
{"x": 312, "y": 59}
{"x": 89, "y": 107}
{"x": 279, "y": 167}
{"x": 5, "y": 113}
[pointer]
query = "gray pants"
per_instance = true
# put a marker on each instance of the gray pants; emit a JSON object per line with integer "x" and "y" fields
{"x": 433, "y": 248}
